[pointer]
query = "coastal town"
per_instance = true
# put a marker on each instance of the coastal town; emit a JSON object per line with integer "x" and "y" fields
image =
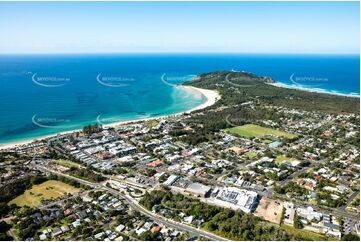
{"x": 294, "y": 175}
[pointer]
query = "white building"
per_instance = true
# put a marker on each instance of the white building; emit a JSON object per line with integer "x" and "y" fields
{"x": 290, "y": 211}
{"x": 236, "y": 198}
{"x": 171, "y": 179}
{"x": 197, "y": 189}
{"x": 120, "y": 228}
{"x": 309, "y": 213}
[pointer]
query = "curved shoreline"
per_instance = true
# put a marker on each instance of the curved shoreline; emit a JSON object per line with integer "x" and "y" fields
{"x": 211, "y": 96}
{"x": 283, "y": 85}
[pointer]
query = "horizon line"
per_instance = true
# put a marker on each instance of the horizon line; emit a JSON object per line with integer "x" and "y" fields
{"x": 186, "y": 53}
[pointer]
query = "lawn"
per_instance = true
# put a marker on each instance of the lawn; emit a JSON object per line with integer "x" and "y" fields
{"x": 281, "y": 158}
{"x": 68, "y": 163}
{"x": 266, "y": 141}
{"x": 250, "y": 155}
{"x": 252, "y": 130}
{"x": 47, "y": 190}
{"x": 302, "y": 234}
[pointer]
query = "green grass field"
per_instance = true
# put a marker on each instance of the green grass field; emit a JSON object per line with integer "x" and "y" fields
{"x": 47, "y": 190}
{"x": 68, "y": 163}
{"x": 252, "y": 131}
{"x": 281, "y": 158}
{"x": 250, "y": 155}
{"x": 266, "y": 141}
{"x": 302, "y": 234}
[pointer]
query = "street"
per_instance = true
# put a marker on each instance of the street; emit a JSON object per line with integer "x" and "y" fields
{"x": 134, "y": 205}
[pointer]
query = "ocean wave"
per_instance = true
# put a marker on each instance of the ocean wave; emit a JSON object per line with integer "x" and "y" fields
{"x": 316, "y": 90}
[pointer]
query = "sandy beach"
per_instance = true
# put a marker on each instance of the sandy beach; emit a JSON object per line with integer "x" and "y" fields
{"x": 210, "y": 95}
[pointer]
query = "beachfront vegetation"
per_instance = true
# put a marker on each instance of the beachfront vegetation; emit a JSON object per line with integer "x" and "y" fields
{"x": 250, "y": 87}
{"x": 244, "y": 101}
{"x": 90, "y": 129}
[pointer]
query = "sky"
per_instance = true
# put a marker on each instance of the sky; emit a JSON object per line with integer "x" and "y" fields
{"x": 186, "y": 27}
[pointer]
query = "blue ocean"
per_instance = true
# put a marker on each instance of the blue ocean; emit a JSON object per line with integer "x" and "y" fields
{"x": 46, "y": 94}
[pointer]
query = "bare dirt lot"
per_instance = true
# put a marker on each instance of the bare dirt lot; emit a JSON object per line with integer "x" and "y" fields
{"x": 270, "y": 210}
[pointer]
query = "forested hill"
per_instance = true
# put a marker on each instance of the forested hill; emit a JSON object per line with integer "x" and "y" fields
{"x": 240, "y": 87}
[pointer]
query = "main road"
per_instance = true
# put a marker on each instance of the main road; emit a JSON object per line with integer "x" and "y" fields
{"x": 134, "y": 205}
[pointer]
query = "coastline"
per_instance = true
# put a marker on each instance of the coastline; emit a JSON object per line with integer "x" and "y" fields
{"x": 313, "y": 90}
{"x": 211, "y": 96}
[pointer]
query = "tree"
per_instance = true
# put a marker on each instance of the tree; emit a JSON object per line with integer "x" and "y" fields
{"x": 90, "y": 129}
{"x": 297, "y": 222}
{"x": 350, "y": 237}
{"x": 211, "y": 226}
{"x": 224, "y": 221}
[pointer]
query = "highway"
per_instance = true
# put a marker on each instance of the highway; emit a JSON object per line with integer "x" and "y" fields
{"x": 134, "y": 205}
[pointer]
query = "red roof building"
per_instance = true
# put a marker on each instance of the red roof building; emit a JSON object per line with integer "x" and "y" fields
{"x": 155, "y": 163}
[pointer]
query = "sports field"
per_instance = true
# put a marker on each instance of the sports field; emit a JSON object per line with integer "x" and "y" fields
{"x": 253, "y": 130}
{"x": 47, "y": 190}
